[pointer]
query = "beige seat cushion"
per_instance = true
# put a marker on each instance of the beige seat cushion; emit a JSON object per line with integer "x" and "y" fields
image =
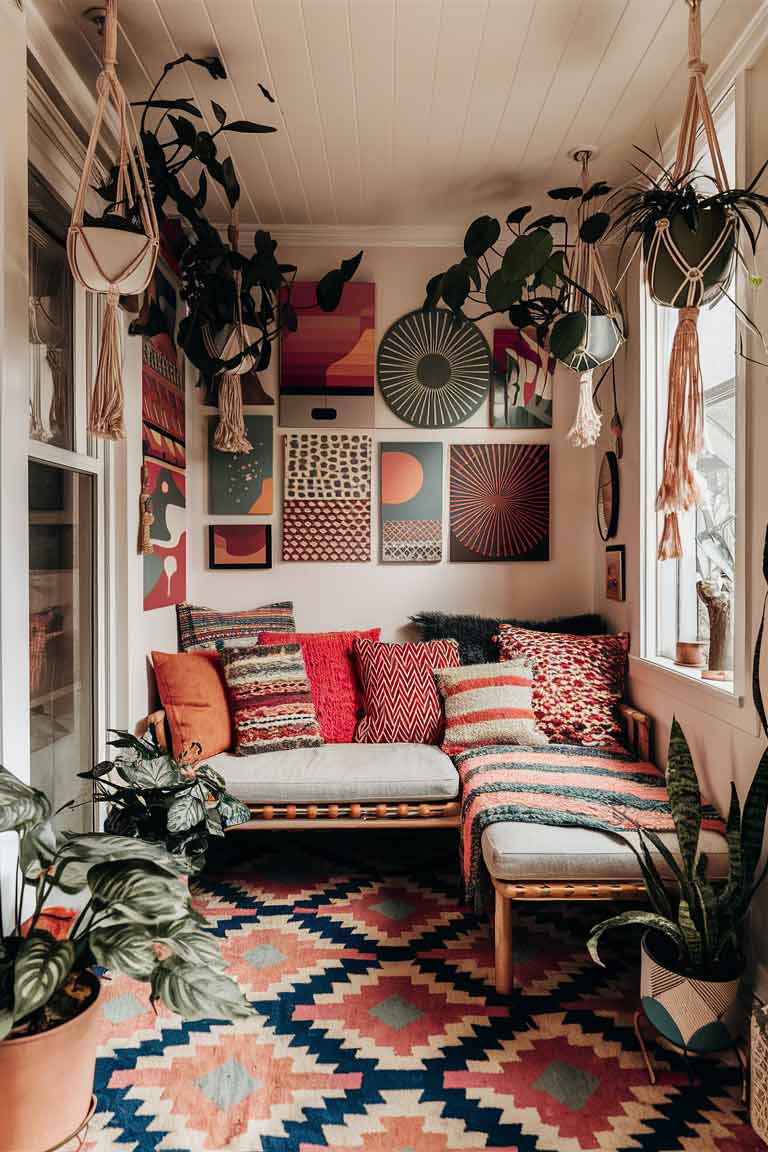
{"x": 550, "y": 852}
{"x": 345, "y": 773}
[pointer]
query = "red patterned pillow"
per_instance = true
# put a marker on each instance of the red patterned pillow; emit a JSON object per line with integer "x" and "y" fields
{"x": 579, "y": 682}
{"x": 402, "y": 704}
{"x": 329, "y": 660}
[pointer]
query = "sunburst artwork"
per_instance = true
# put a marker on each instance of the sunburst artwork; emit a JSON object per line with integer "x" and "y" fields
{"x": 499, "y": 502}
{"x": 434, "y": 370}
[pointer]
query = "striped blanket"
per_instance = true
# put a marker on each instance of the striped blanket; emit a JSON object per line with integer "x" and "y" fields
{"x": 561, "y": 784}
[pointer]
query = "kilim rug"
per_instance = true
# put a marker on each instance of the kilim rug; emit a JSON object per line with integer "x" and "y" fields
{"x": 378, "y": 1027}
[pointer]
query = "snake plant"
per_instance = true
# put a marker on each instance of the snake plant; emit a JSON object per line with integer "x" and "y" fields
{"x": 703, "y": 917}
{"x": 133, "y": 916}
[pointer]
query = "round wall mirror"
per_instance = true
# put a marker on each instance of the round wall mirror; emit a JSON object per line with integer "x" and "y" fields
{"x": 608, "y": 496}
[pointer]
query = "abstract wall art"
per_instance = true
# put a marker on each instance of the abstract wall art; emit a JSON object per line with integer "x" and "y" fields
{"x": 165, "y": 567}
{"x": 241, "y": 483}
{"x": 239, "y": 546}
{"x": 434, "y": 370}
{"x": 411, "y": 498}
{"x": 521, "y": 389}
{"x": 162, "y": 384}
{"x": 499, "y": 502}
{"x": 327, "y": 497}
{"x": 327, "y": 364}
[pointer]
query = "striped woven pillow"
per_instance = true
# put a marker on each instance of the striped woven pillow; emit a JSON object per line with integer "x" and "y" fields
{"x": 487, "y": 704}
{"x": 204, "y": 628}
{"x": 269, "y": 698}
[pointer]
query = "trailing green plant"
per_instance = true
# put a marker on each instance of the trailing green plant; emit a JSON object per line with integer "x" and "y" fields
{"x": 133, "y": 916}
{"x": 525, "y": 278}
{"x": 153, "y": 796}
{"x": 703, "y": 917}
{"x": 216, "y": 277}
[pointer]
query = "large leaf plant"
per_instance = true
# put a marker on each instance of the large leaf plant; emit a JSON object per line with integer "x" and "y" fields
{"x": 133, "y": 916}
{"x": 524, "y": 275}
{"x": 703, "y": 917}
{"x": 153, "y": 796}
{"x": 183, "y": 157}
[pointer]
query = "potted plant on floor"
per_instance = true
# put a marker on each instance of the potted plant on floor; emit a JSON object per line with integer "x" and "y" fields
{"x": 133, "y": 915}
{"x": 176, "y": 803}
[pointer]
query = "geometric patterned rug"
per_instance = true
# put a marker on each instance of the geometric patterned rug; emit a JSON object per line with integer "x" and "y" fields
{"x": 378, "y": 1028}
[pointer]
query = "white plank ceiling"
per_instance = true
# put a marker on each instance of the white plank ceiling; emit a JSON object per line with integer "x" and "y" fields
{"x": 418, "y": 112}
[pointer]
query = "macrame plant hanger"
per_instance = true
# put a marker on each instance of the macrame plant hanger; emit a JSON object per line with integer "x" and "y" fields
{"x": 684, "y": 436}
{"x": 230, "y": 434}
{"x": 587, "y": 270}
{"x": 113, "y": 260}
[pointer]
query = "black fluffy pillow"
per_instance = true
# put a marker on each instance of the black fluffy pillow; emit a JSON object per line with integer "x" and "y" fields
{"x": 475, "y": 633}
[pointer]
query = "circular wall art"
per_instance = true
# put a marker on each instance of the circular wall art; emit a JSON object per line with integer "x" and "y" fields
{"x": 433, "y": 370}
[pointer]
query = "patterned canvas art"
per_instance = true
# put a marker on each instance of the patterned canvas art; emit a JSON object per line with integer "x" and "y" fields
{"x": 162, "y": 385}
{"x": 327, "y": 365}
{"x": 239, "y": 546}
{"x": 241, "y": 482}
{"x": 411, "y": 496}
{"x": 499, "y": 496}
{"x": 327, "y": 497}
{"x": 521, "y": 391}
{"x": 165, "y": 568}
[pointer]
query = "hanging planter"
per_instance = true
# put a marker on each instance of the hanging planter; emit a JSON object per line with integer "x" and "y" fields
{"x": 689, "y": 226}
{"x": 116, "y": 254}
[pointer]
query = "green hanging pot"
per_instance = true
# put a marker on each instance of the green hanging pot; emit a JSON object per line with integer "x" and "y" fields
{"x": 674, "y": 248}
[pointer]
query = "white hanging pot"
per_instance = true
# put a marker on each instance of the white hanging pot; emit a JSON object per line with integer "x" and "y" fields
{"x": 102, "y": 258}
{"x": 603, "y": 337}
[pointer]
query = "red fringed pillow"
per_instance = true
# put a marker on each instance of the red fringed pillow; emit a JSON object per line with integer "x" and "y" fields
{"x": 402, "y": 704}
{"x": 330, "y": 664}
{"x": 579, "y": 682}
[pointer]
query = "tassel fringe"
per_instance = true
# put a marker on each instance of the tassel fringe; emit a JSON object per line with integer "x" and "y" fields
{"x": 230, "y": 432}
{"x": 105, "y": 418}
{"x": 585, "y": 430}
{"x": 684, "y": 436}
{"x": 146, "y": 517}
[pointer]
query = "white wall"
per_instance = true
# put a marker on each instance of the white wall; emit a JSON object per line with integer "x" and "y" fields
{"x": 334, "y": 596}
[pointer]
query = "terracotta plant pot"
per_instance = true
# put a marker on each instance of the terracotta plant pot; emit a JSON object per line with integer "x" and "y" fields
{"x": 47, "y": 1082}
{"x": 666, "y": 283}
{"x": 694, "y": 1014}
{"x": 604, "y": 338}
{"x": 102, "y": 257}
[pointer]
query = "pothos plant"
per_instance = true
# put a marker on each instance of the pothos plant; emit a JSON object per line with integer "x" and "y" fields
{"x": 134, "y": 916}
{"x": 153, "y": 796}
{"x": 219, "y": 283}
{"x": 525, "y": 275}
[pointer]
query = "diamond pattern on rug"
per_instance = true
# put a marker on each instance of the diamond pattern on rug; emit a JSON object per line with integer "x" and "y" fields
{"x": 378, "y": 1030}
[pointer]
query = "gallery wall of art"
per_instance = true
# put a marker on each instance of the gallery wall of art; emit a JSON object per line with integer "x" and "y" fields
{"x": 309, "y": 496}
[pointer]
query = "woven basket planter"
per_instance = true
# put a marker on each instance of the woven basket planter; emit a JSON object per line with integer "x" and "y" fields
{"x": 758, "y": 1086}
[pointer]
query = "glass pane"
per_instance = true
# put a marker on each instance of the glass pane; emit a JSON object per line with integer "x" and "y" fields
{"x": 60, "y": 635}
{"x": 51, "y": 294}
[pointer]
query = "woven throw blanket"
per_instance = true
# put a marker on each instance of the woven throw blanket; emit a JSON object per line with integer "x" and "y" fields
{"x": 562, "y": 784}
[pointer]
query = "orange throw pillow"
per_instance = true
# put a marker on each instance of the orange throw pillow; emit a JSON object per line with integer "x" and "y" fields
{"x": 194, "y": 696}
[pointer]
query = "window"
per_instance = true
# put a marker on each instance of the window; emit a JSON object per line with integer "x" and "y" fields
{"x": 675, "y": 590}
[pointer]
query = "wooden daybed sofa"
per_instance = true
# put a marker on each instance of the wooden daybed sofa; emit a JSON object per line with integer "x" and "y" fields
{"x": 417, "y": 786}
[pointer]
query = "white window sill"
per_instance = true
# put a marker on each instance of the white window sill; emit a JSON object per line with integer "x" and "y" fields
{"x": 717, "y": 699}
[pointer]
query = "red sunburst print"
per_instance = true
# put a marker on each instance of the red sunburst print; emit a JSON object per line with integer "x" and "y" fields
{"x": 499, "y": 502}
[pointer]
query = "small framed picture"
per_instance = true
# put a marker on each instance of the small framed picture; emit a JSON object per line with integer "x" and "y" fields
{"x": 614, "y": 572}
{"x": 239, "y": 546}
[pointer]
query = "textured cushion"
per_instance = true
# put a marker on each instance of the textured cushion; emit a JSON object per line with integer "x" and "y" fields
{"x": 193, "y": 693}
{"x": 475, "y": 634}
{"x": 488, "y": 704}
{"x": 579, "y": 683}
{"x": 205, "y": 628}
{"x": 548, "y": 852}
{"x": 342, "y": 773}
{"x": 400, "y": 695}
{"x": 330, "y": 664}
{"x": 269, "y": 698}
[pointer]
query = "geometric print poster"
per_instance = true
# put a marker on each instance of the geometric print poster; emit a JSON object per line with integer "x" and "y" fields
{"x": 411, "y": 497}
{"x": 165, "y": 567}
{"x": 499, "y": 502}
{"x": 327, "y": 497}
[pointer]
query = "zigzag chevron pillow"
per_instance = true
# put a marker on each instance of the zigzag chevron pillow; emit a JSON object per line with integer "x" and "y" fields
{"x": 488, "y": 704}
{"x": 402, "y": 705}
